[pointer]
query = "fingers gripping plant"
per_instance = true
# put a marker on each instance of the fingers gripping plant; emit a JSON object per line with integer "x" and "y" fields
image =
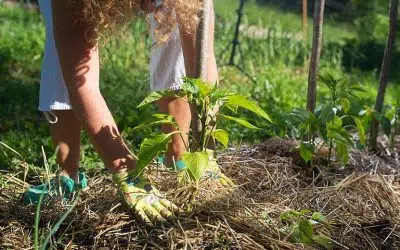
{"x": 209, "y": 103}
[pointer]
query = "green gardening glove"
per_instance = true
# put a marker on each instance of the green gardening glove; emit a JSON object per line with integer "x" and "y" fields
{"x": 144, "y": 199}
{"x": 213, "y": 172}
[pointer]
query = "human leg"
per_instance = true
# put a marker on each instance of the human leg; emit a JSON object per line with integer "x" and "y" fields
{"x": 66, "y": 137}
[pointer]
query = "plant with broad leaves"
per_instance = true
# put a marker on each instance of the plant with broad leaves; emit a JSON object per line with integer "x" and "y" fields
{"x": 301, "y": 225}
{"x": 328, "y": 123}
{"x": 209, "y": 103}
{"x": 389, "y": 120}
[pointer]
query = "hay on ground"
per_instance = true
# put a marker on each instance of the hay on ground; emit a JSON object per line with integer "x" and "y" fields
{"x": 361, "y": 206}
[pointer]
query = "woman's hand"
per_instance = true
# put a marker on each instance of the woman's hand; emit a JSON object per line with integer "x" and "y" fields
{"x": 144, "y": 199}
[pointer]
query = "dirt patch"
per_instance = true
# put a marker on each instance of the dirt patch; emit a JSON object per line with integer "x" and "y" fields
{"x": 361, "y": 206}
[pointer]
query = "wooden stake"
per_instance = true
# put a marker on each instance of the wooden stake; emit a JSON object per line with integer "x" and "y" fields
{"x": 202, "y": 38}
{"x": 385, "y": 70}
{"x": 316, "y": 54}
{"x": 305, "y": 20}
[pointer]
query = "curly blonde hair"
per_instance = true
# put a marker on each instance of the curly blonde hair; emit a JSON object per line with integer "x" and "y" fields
{"x": 101, "y": 16}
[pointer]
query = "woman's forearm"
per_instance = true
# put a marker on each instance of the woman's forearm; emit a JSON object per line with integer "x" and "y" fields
{"x": 79, "y": 62}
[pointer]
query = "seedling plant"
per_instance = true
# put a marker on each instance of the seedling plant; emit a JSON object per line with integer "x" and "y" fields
{"x": 327, "y": 126}
{"x": 210, "y": 105}
{"x": 301, "y": 225}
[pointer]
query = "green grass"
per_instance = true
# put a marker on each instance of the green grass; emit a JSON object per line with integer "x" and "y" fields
{"x": 267, "y": 16}
{"x": 277, "y": 64}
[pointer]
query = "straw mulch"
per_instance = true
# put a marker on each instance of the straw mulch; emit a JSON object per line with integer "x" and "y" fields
{"x": 361, "y": 203}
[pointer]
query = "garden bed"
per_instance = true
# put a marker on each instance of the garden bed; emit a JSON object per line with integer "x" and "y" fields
{"x": 361, "y": 204}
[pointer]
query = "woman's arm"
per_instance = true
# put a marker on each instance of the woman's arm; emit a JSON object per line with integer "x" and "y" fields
{"x": 80, "y": 67}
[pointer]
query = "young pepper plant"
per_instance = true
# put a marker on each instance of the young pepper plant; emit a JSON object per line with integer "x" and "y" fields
{"x": 389, "y": 120}
{"x": 210, "y": 103}
{"x": 328, "y": 123}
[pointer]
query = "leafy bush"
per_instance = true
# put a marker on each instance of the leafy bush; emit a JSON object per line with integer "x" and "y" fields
{"x": 328, "y": 123}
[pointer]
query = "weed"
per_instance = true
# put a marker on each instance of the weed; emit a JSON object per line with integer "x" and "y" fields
{"x": 301, "y": 227}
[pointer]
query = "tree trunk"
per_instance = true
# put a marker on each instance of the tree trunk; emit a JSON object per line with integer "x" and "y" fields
{"x": 385, "y": 70}
{"x": 316, "y": 54}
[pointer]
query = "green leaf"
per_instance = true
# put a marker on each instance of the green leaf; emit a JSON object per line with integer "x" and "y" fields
{"x": 345, "y": 104}
{"x": 11, "y": 149}
{"x": 336, "y": 122}
{"x": 340, "y": 135}
{"x": 323, "y": 240}
{"x": 205, "y": 88}
{"x": 189, "y": 86}
{"x": 150, "y": 148}
{"x": 157, "y": 119}
{"x": 196, "y": 163}
{"x": 241, "y": 101}
{"x": 289, "y": 215}
{"x": 155, "y": 96}
{"x": 240, "y": 121}
{"x": 222, "y": 136}
{"x": 304, "y": 211}
{"x": 300, "y": 114}
{"x": 337, "y": 132}
{"x": 219, "y": 94}
{"x": 325, "y": 113}
{"x": 360, "y": 130}
{"x": 358, "y": 89}
{"x": 306, "y": 151}
{"x": 302, "y": 232}
{"x": 234, "y": 109}
{"x": 342, "y": 152}
{"x": 386, "y": 125}
{"x": 318, "y": 217}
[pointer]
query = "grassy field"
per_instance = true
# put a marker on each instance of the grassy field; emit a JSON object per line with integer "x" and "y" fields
{"x": 270, "y": 16}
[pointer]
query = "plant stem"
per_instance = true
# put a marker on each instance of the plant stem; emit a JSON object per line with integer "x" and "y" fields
{"x": 184, "y": 143}
{"x": 37, "y": 218}
{"x": 209, "y": 136}
{"x": 203, "y": 133}
{"x": 330, "y": 152}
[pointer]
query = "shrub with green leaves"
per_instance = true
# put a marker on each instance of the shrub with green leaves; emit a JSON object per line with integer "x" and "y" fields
{"x": 210, "y": 104}
{"x": 328, "y": 125}
{"x": 389, "y": 120}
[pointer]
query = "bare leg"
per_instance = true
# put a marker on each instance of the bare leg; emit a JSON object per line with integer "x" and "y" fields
{"x": 180, "y": 110}
{"x": 66, "y": 136}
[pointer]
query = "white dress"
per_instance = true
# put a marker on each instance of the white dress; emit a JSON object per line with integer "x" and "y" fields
{"x": 167, "y": 67}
